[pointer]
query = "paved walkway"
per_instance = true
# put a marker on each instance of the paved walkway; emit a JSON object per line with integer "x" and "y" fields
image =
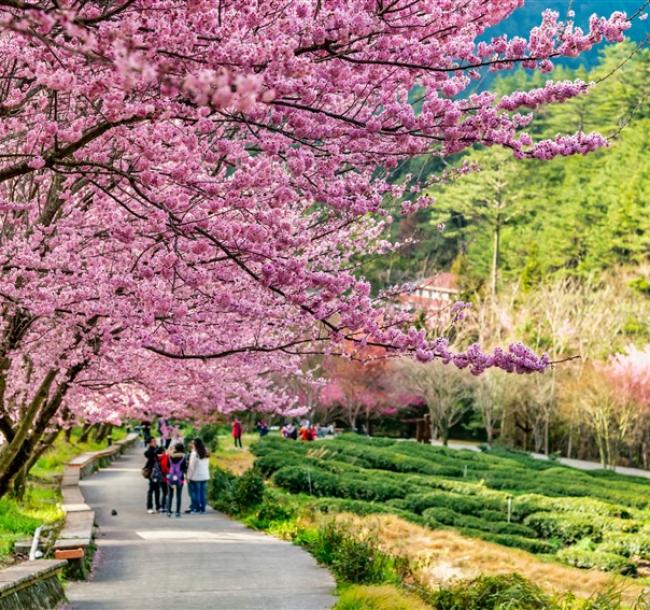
{"x": 197, "y": 562}
{"x": 573, "y": 463}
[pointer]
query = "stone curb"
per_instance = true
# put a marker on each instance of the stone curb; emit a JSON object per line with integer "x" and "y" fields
{"x": 77, "y": 532}
{"x": 36, "y": 584}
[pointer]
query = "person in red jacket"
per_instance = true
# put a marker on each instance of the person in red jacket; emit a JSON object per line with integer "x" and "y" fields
{"x": 163, "y": 461}
{"x": 237, "y": 431}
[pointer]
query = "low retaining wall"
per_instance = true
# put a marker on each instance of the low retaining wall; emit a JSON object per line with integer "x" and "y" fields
{"x": 35, "y": 585}
{"x": 75, "y": 542}
{"x": 32, "y": 585}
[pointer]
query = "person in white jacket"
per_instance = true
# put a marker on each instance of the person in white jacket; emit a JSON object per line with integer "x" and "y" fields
{"x": 198, "y": 475}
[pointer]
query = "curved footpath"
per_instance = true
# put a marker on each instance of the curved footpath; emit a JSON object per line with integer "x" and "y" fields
{"x": 197, "y": 562}
{"x": 571, "y": 462}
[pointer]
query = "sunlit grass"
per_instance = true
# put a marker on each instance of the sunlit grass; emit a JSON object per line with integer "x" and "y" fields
{"x": 233, "y": 458}
{"x": 51, "y": 463}
{"x": 445, "y": 556}
{"x": 378, "y": 597}
{"x": 20, "y": 519}
{"x": 41, "y": 502}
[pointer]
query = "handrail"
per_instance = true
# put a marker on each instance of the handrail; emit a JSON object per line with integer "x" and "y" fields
{"x": 33, "y": 551}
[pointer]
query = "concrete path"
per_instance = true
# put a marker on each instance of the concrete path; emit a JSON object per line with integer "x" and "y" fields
{"x": 572, "y": 463}
{"x": 585, "y": 465}
{"x": 197, "y": 562}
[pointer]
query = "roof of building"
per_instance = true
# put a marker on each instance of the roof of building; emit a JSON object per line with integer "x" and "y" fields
{"x": 445, "y": 281}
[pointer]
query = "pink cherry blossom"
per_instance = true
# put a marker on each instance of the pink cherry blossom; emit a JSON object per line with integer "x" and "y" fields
{"x": 185, "y": 188}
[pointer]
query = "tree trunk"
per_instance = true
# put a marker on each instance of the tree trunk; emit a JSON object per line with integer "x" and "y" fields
{"x": 13, "y": 454}
{"x": 86, "y": 431}
{"x": 103, "y": 430}
{"x": 18, "y": 484}
{"x": 434, "y": 432}
{"x": 28, "y": 435}
{"x": 353, "y": 422}
{"x": 489, "y": 430}
{"x": 495, "y": 260}
{"x": 546, "y": 434}
{"x": 368, "y": 423}
{"x": 444, "y": 433}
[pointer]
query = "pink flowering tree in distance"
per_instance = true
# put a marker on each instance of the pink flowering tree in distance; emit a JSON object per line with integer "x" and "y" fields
{"x": 629, "y": 375}
{"x": 185, "y": 183}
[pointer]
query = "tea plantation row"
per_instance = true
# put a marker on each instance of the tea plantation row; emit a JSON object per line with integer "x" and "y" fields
{"x": 586, "y": 519}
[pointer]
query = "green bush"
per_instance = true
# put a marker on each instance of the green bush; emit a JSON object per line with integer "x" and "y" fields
{"x": 361, "y": 507}
{"x": 319, "y": 482}
{"x": 447, "y": 516}
{"x": 272, "y": 510}
{"x": 512, "y": 592}
{"x": 352, "y": 559}
{"x": 209, "y": 434}
{"x": 232, "y": 494}
{"x": 271, "y": 462}
{"x": 567, "y": 527}
{"x": 469, "y": 505}
{"x": 249, "y": 490}
{"x": 531, "y": 545}
{"x": 609, "y": 562}
{"x": 627, "y": 545}
{"x": 220, "y": 491}
{"x": 303, "y": 479}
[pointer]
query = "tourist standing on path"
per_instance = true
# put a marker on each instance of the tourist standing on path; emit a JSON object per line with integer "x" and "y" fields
{"x": 237, "y": 431}
{"x": 164, "y": 432}
{"x": 163, "y": 464}
{"x": 175, "y": 437}
{"x": 198, "y": 475}
{"x": 149, "y": 468}
{"x": 145, "y": 428}
{"x": 176, "y": 478}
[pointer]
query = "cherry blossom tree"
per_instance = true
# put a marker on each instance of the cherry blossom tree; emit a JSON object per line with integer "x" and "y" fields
{"x": 629, "y": 374}
{"x": 445, "y": 391}
{"x": 185, "y": 184}
{"x": 628, "y": 377}
{"x": 360, "y": 388}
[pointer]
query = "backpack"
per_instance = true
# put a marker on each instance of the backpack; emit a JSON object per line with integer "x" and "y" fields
{"x": 175, "y": 475}
{"x": 156, "y": 473}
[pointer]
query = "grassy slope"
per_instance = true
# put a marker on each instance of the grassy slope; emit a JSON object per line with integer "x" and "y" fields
{"x": 447, "y": 556}
{"x": 232, "y": 458}
{"x": 441, "y": 554}
{"x": 615, "y": 507}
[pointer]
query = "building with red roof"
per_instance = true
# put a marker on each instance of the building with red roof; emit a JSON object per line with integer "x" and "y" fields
{"x": 433, "y": 295}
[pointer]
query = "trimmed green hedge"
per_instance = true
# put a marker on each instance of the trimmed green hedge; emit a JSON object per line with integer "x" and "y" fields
{"x": 597, "y": 559}
{"x": 319, "y": 482}
{"x": 446, "y": 516}
{"x": 551, "y": 506}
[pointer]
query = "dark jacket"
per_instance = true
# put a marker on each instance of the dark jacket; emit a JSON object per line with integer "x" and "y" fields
{"x": 150, "y": 454}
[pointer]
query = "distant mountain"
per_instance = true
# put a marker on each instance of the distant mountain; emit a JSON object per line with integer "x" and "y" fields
{"x": 528, "y": 16}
